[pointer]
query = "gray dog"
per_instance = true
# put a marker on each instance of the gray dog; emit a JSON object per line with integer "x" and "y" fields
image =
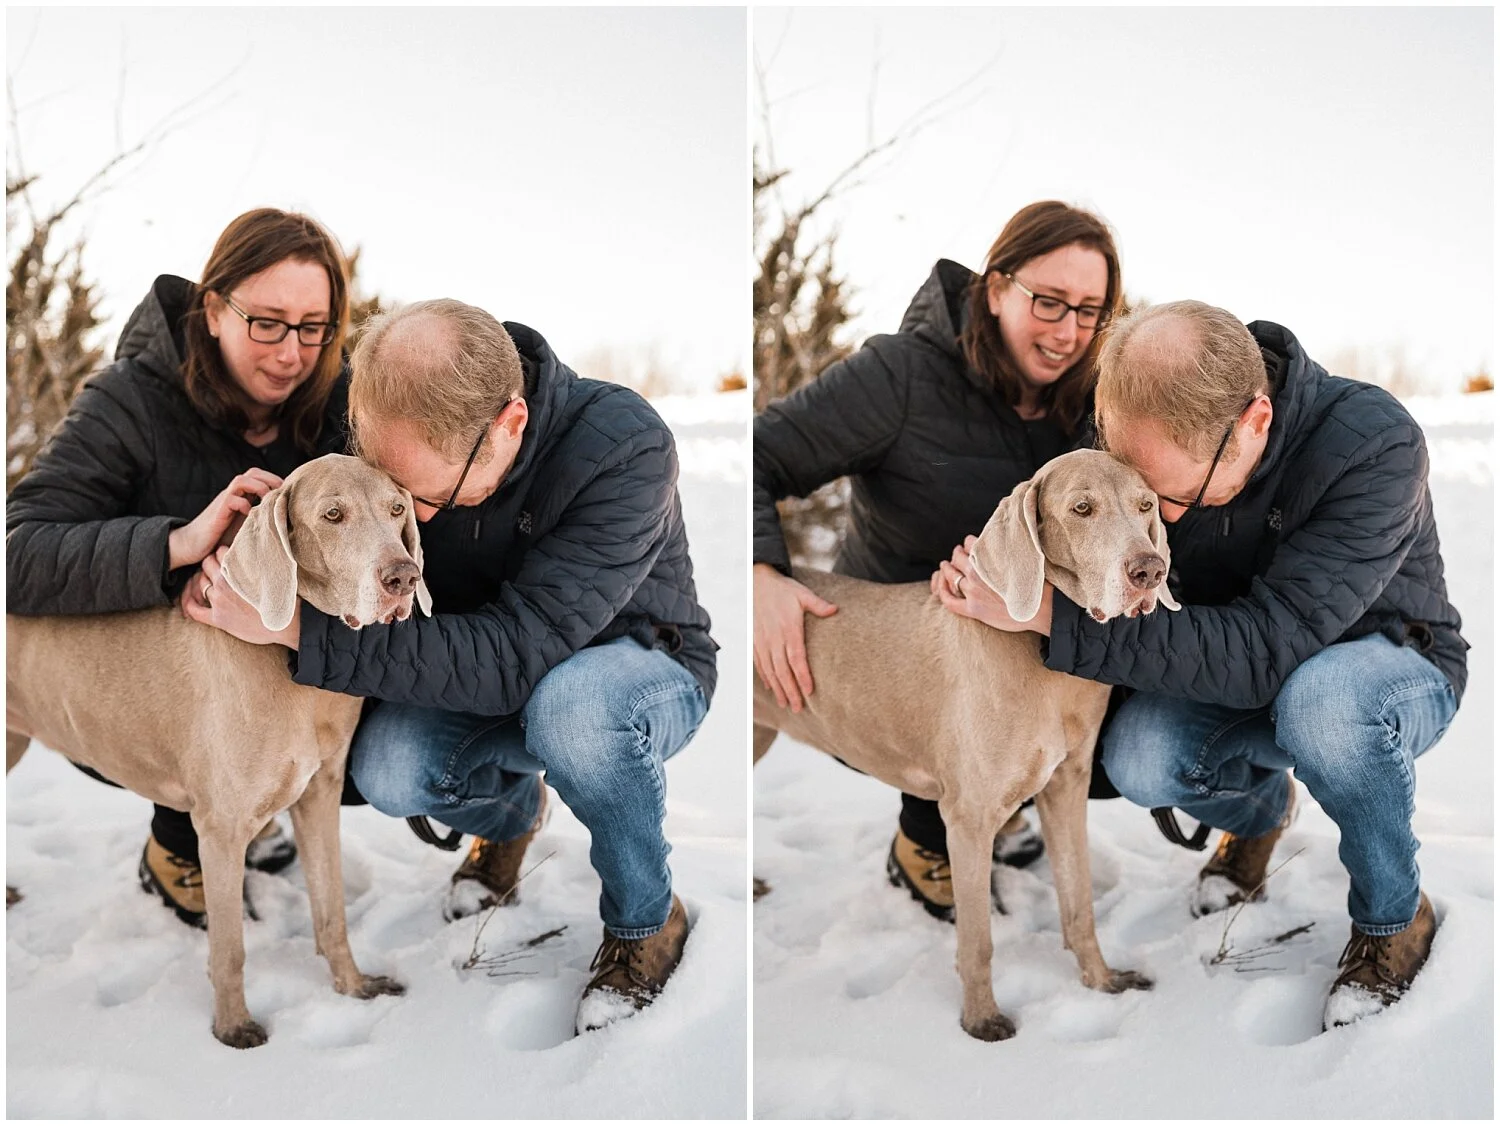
{"x": 950, "y": 709}
{"x": 195, "y": 719}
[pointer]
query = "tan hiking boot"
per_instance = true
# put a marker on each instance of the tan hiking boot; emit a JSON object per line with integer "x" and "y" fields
{"x": 1237, "y": 871}
{"x": 926, "y": 874}
{"x": 176, "y": 880}
{"x": 490, "y": 873}
{"x": 630, "y": 973}
{"x": 1375, "y": 971}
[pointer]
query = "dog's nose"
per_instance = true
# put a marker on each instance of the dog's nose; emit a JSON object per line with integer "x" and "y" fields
{"x": 400, "y": 577}
{"x": 1146, "y": 571}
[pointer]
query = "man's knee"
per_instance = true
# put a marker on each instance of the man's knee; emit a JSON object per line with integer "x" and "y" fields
{"x": 1328, "y": 714}
{"x": 389, "y": 768}
{"x": 1133, "y": 756}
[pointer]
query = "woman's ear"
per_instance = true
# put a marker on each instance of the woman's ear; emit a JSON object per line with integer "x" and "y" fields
{"x": 994, "y": 289}
{"x": 213, "y": 312}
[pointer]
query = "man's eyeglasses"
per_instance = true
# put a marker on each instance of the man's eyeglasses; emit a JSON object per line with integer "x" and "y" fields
{"x": 1197, "y": 502}
{"x": 268, "y": 330}
{"x": 464, "y": 476}
{"x": 1054, "y": 309}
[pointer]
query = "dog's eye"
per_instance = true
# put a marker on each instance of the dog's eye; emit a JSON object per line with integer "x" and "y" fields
{"x": 1147, "y": 505}
{"x": 398, "y": 509}
{"x": 334, "y": 514}
{"x": 1083, "y": 508}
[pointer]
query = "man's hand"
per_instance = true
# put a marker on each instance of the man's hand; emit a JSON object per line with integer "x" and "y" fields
{"x": 961, "y": 592}
{"x": 208, "y": 598}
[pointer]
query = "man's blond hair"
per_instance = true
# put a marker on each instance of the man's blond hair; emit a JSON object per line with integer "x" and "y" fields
{"x": 1187, "y": 366}
{"x": 443, "y": 367}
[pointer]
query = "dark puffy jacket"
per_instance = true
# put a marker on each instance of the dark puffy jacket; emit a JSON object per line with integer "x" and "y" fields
{"x": 931, "y": 448}
{"x": 1331, "y": 539}
{"x": 583, "y": 542}
{"x": 86, "y": 529}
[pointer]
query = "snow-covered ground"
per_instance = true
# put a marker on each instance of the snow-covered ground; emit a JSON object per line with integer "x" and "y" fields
{"x": 857, "y": 1000}
{"x": 108, "y": 1002}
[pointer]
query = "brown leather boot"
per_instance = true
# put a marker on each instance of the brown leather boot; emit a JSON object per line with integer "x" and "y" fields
{"x": 1237, "y": 871}
{"x": 926, "y": 874}
{"x": 1375, "y": 971}
{"x": 176, "y": 880}
{"x": 630, "y": 973}
{"x": 490, "y": 873}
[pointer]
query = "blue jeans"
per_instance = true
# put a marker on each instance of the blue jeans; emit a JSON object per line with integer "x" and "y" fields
{"x": 1349, "y": 723}
{"x": 601, "y": 724}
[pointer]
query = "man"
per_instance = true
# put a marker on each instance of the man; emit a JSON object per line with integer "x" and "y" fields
{"x": 1316, "y": 634}
{"x": 566, "y": 634}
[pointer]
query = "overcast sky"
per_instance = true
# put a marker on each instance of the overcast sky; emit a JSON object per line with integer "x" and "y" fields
{"x": 1331, "y": 169}
{"x": 583, "y": 171}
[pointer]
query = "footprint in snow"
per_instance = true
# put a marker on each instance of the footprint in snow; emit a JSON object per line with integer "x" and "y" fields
{"x": 1084, "y": 1020}
{"x": 1280, "y": 1011}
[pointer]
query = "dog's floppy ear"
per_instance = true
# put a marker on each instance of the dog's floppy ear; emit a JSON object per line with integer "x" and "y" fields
{"x": 1008, "y": 558}
{"x": 411, "y": 539}
{"x": 1159, "y": 541}
{"x": 260, "y": 567}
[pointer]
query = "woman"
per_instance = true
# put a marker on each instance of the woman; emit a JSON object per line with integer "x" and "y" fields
{"x": 218, "y": 390}
{"x": 989, "y": 376}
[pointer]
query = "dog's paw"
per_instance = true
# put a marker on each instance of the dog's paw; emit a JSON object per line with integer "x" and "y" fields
{"x": 990, "y": 1028}
{"x": 373, "y": 985}
{"x": 1121, "y": 980}
{"x": 247, "y": 1034}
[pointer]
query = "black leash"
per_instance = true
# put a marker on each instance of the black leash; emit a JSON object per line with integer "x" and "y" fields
{"x": 1166, "y": 821}
{"x": 423, "y": 828}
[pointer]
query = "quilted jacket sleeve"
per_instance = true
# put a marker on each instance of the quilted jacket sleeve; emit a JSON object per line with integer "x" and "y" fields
{"x": 71, "y": 545}
{"x": 572, "y": 583}
{"x": 842, "y": 422}
{"x": 1323, "y": 577}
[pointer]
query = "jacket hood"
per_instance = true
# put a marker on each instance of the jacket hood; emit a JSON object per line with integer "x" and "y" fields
{"x": 936, "y": 313}
{"x": 1295, "y": 380}
{"x": 547, "y": 382}
{"x": 153, "y": 336}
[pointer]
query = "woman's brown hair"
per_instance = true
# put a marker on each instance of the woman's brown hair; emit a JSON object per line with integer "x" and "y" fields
{"x": 1037, "y": 229}
{"x": 256, "y": 241}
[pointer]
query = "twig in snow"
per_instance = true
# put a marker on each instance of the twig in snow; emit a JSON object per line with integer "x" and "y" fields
{"x": 476, "y": 951}
{"x": 1223, "y": 953}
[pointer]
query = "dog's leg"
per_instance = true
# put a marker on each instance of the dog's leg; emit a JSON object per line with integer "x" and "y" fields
{"x": 1063, "y": 809}
{"x": 15, "y": 747}
{"x": 761, "y": 740}
{"x": 971, "y": 836}
{"x": 221, "y": 851}
{"x": 315, "y": 821}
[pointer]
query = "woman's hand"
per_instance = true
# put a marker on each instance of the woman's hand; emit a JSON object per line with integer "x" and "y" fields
{"x": 194, "y": 542}
{"x": 961, "y": 591}
{"x": 209, "y": 599}
{"x": 780, "y": 636}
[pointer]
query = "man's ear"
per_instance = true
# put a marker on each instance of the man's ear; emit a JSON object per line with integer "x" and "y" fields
{"x": 512, "y": 420}
{"x": 1258, "y": 416}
